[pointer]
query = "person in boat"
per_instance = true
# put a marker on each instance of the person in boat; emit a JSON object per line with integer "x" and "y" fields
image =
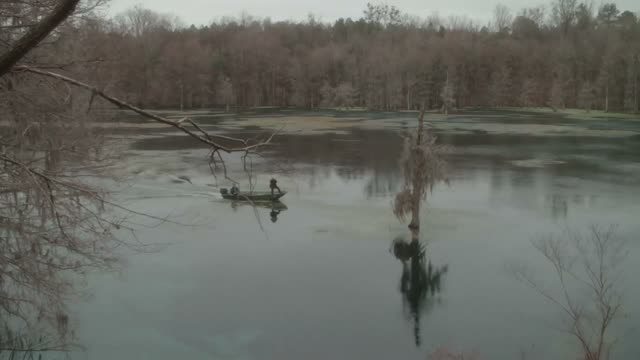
{"x": 273, "y": 184}
{"x": 234, "y": 190}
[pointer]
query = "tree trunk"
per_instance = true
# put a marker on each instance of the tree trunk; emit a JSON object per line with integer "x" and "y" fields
{"x": 60, "y": 13}
{"x": 606, "y": 98}
{"x": 635, "y": 91}
{"x": 417, "y": 180}
{"x": 181, "y": 97}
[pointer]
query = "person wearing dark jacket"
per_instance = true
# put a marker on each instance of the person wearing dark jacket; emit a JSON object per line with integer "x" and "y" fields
{"x": 273, "y": 184}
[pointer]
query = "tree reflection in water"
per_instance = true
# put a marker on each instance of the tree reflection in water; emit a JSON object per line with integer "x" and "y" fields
{"x": 420, "y": 282}
{"x": 51, "y": 234}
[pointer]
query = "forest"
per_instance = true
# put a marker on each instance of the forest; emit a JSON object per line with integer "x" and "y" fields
{"x": 563, "y": 55}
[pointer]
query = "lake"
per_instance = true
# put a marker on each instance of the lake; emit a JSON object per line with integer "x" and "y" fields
{"x": 319, "y": 279}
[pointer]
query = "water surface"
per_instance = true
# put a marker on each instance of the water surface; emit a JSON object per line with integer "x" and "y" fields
{"x": 320, "y": 282}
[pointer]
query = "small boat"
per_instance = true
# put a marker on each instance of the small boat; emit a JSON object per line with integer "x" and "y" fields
{"x": 252, "y": 196}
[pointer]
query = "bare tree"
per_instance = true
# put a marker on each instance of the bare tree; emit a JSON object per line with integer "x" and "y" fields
{"x": 556, "y": 100}
{"x": 590, "y": 262}
{"x": 536, "y": 14}
{"x": 139, "y": 21}
{"x": 424, "y": 167}
{"x": 224, "y": 93}
{"x": 608, "y": 13}
{"x": 328, "y": 94}
{"x": 501, "y": 89}
{"x": 603, "y": 83}
{"x": 564, "y": 14}
{"x": 586, "y": 96}
{"x": 448, "y": 96}
{"x": 585, "y": 19}
{"x": 382, "y": 14}
{"x": 631, "y": 86}
{"x": 524, "y": 27}
{"x": 345, "y": 95}
{"x": 529, "y": 93}
{"x": 502, "y": 18}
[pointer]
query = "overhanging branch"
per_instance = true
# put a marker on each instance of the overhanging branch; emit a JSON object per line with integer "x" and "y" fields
{"x": 199, "y": 133}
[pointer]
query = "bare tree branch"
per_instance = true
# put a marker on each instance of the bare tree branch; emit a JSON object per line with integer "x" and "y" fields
{"x": 596, "y": 257}
{"x": 199, "y": 134}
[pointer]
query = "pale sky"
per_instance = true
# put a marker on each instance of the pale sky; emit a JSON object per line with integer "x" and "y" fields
{"x": 202, "y": 12}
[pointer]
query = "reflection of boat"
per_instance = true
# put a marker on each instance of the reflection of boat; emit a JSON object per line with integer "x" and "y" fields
{"x": 275, "y": 207}
{"x": 252, "y": 196}
{"x": 271, "y": 205}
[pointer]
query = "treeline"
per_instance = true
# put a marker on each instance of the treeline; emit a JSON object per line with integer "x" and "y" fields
{"x": 566, "y": 54}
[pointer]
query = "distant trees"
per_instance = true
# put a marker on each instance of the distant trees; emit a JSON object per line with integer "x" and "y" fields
{"x": 529, "y": 93}
{"x": 500, "y": 90}
{"x": 448, "y": 96}
{"x": 224, "y": 92}
{"x": 564, "y": 14}
{"x": 556, "y": 100}
{"x": 524, "y": 27}
{"x": 608, "y": 13}
{"x": 502, "y": 18}
{"x": 631, "y": 86}
{"x": 382, "y": 15}
{"x": 385, "y": 60}
{"x": 344, "y": 95}
{"x": 586, "y": 96}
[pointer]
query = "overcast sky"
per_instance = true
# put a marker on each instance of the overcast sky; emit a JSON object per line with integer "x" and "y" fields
{"x": 202, "y": 12}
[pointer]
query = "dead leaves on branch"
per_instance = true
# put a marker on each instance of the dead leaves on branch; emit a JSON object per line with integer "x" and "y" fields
{"x": 424, "y": 166}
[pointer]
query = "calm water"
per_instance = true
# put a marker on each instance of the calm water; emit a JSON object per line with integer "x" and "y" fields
{"x": 321, "y": 281}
